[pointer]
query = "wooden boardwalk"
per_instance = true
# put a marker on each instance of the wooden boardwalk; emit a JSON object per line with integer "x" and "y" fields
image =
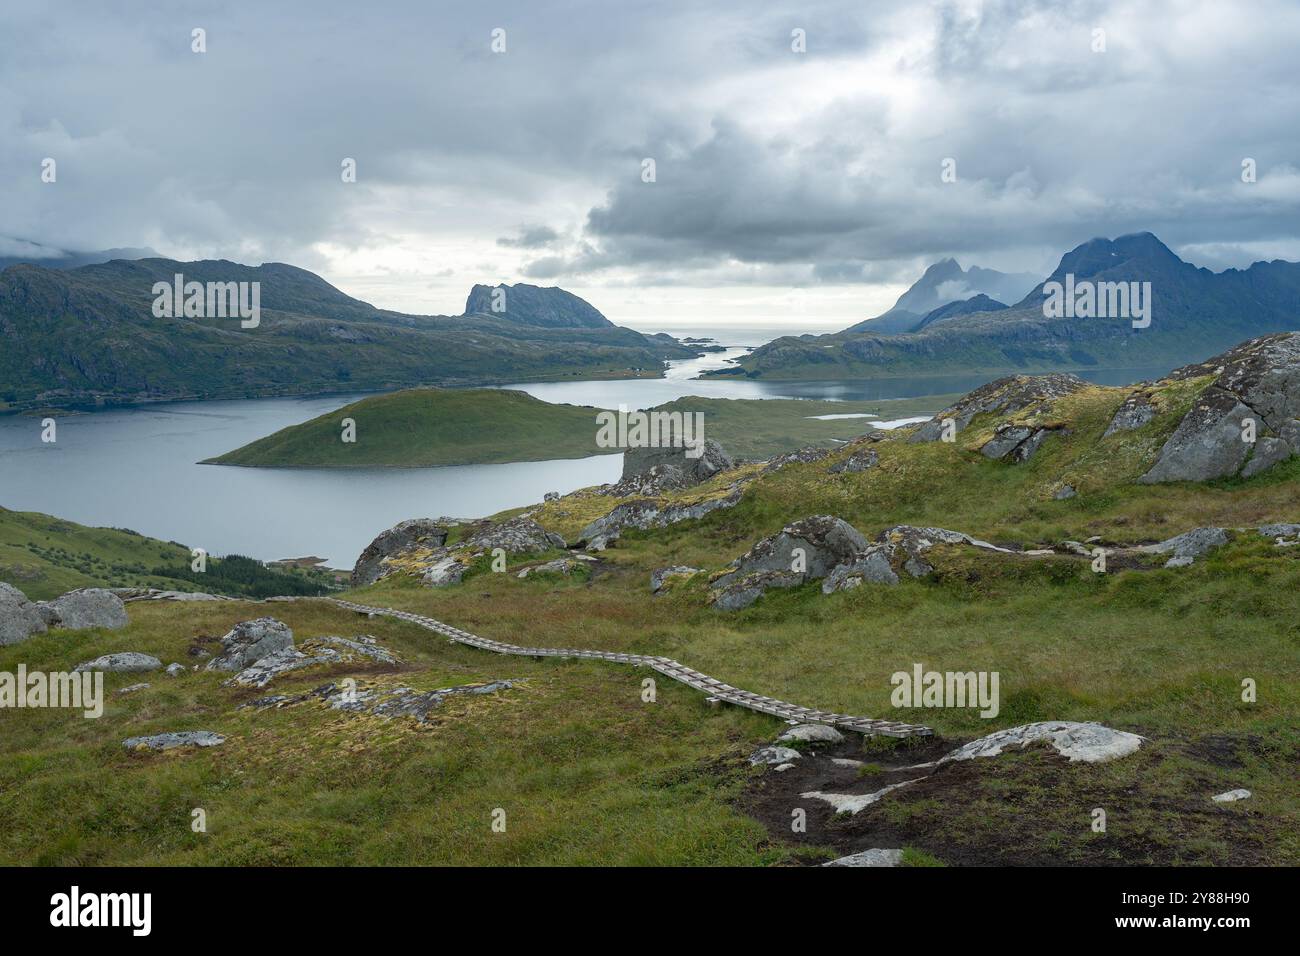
{"x": 716, "y": 690}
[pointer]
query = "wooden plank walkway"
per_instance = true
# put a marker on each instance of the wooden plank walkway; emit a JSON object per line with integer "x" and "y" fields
{"x": 715, "y": 689}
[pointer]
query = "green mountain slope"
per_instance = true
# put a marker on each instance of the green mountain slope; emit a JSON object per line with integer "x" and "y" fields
{"x": 44, "y": 557}
{"x": 88, "y": 336}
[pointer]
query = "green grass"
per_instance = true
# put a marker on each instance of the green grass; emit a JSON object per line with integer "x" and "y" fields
{"x": 44, "y": 557}
{"x": 432, "y": 426}
{"x": 588, "y": 773}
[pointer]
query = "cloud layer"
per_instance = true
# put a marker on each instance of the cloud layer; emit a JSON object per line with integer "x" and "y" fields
{"x": 773, "y": 168}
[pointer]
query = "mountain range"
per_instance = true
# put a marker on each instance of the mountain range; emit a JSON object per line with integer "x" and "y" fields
{"x": 88, "y": 336}
{"x": 1194, "y": 312}
{"x": 942, "y": 284}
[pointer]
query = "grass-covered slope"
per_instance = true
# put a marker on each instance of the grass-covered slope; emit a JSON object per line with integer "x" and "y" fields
{"x": 430, "y": 426}
{"x": 88, "y": 336}
{"x": 588, "y": 770}
{"x": 44, "y": 557}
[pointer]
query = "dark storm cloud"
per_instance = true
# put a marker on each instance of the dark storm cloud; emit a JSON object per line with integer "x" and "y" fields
{"x": 817, "y": 167}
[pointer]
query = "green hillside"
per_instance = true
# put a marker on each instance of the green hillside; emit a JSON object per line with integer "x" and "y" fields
{"x": 44, "y": 557}
{"x": 590, "y": 772}
{"x": 430, "y": 426}
{"x": 88, "y": 337}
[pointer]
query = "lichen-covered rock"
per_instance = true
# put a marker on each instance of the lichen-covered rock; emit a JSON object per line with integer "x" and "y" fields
{"x": 649, "y": 513}
{"x": 381, "y": 701}
{"x": 1188, "y": 546}
{"x": 1017, "y": 442}
{"x": 249, "y": 641}
{"x": 805, "y": 550}
{"x": 856, "y": 462}
{"x": 1135, "y": 411}
{"x": 653, "y": 471}
{"x": 402, "y": 537}
{"x": 871, "y": 568}
{"x": 173, "y": 739}
{"x": 89, "y": 607}
{"x": 1064, "y": 493}
{"x": 1257, "y": 380}
{"x": 1268, "y": 452}
{"x": 802, "y": 456}
{"x": 564, "y": 566}
{"x": 660, "y": 576}
{"x": 317, "y": 650}
{"x": 19, "y": 617}
{"x": 773, "y": 755}
{"x": 519, "y": 535}
{"x": 123, "y": 662}
{"x": 175, "y": 670}
{"x": 1085, "y": 742}
{"x": 1005, "y": 396}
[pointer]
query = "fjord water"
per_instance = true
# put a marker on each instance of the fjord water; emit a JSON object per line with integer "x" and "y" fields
{"x": 138, "y": 468}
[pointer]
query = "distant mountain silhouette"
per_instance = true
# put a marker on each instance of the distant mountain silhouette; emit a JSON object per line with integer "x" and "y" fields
{"x": 1194, "y": 312}
{"x": 534, "y": 305}
{"x": 50, "y": 258}
{"x": 943, "y": 283}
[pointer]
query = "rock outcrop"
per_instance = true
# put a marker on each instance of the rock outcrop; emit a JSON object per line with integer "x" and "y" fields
{"x": 805, "y": 550}
{"x": 1018, "y": 442}
{"x": 654, "y": 471}
{"x": 1077, "y": 742}
{"x": 416, "y": 532}
{"x": 1004, "y": 396}
{"x": 661, "y": 576}
{"x": 856, "y": 462}
{"x": 1188, "y": 546}
{"x": 250, "y": 641}
{"x": 1258, "y": 381}
{"x": 173, "y": 739}
{"x": 316, "y": 650}
{"x": 650, "y": 513}
{"x": 19, "y": 617}
{"x": 123, "y": 662}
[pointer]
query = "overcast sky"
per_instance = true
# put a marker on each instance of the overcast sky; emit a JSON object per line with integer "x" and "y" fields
{"x": 793, "y": 186}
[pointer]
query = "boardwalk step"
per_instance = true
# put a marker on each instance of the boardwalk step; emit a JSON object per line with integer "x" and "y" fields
{"x": 716, "y": 690}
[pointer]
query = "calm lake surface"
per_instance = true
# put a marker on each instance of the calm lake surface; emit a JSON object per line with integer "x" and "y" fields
{"x": 137, "y": 468}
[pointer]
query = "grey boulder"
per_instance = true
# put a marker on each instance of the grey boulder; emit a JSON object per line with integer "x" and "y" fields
{"x": 19, "y": 617}
{"x": 250, "y": 641}
{"x": 89, "y": 607}
{"x": 416, "y": 532}
{"x": 1257, "y": 380}
{"x": 1188, "y": 546}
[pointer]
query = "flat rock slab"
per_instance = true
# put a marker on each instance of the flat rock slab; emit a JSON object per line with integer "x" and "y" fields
{"x": 173, "y": 739}
{"x": 870, "y": 858}
{"x": 1085, "y": 742}
{"x": 856, "y": 802}
{"x": 124, "y": 662}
